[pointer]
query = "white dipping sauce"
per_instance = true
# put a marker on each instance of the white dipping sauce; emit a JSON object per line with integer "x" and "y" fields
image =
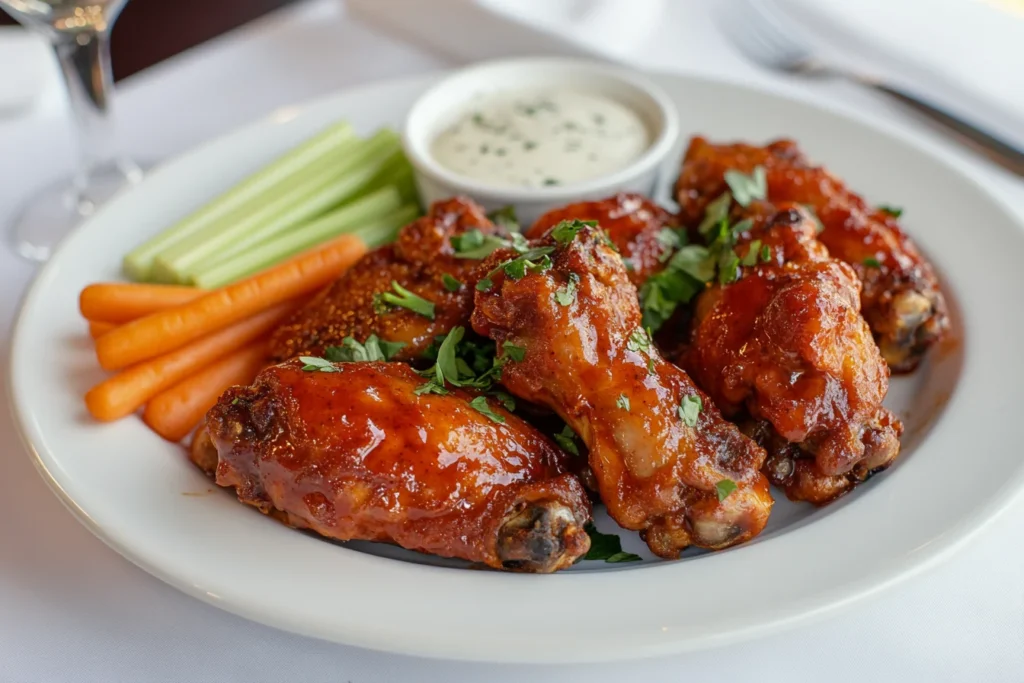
{"x": 540, "y": 138}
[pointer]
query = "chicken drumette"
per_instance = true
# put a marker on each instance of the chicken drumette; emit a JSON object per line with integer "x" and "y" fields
{"x": 355, "y": 453}
{"x": 418, "y": 261}
{"x": 901, "y": 300}
{"x": 786, "y": 345}
{"x": 665, "y": 461}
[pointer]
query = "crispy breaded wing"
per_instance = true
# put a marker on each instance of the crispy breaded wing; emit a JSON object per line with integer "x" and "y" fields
{"x": 418, "y": 261}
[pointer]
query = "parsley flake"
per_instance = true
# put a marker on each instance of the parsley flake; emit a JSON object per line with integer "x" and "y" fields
{"x": 473, "y": 244}
{"x": 351, "y": 351}
{"x": 893, "y": 211}
{"x": 606, "y": 547}
{"x": 747, "y": 188}
{"x": 480, "y": 405}
{"x": 750, "y": 258}
{"x": 516, "y": 353}
{"x": 450, "y": 283}
{"x": 566, "y": 231}
{"x": 724, "y": 487}
{"x": 728, "y": 263}
{"x": 315, "y": 364}
{"x": 623, "y": 402}
{"x": 715, "y": 212}
{"x": 484, "y": 285}
{"x": 403, "y": 298}
{"x": 567, "y": 440}
{"x": 670, "y": 240}
{"x": 430, "y": 387}
{"x": 872, "y": 262}
{"x": 766, "y": 253}
{"x": 689, "y": 409}
{"x": 506, "y": 217}
{"x": 566, "y": 295}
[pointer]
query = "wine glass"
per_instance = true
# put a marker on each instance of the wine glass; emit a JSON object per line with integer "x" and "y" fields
{"x": 79, "y": 31}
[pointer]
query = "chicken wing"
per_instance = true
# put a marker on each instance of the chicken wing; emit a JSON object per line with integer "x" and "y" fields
{"x": 665, "y": 461}
{"x": 901, "y": 299}
{"x": 786, "y": 345}
{"x": 633, "y": 223}
{"x": 418, "y": 261}
{"x": 355, "y": 453}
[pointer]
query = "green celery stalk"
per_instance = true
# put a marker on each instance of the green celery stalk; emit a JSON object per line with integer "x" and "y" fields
{"x": 257, "y": 186}
{"x": 343, "y": 220}
{"x": 291, "y": 209}
{"x": 384, "y": 230}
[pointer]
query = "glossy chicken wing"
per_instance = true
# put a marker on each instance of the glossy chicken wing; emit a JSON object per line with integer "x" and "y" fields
{"x": 418, "y": 261}
{"x": 786, "y": 345}
{"x": 901, "y": 300}
{"x": 664, "y": 460}
{"x": 634, "y": 224}
{"x": 355, "y": 454}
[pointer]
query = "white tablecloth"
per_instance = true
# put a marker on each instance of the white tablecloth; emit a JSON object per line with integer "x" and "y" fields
{"x": 73, "y": 610}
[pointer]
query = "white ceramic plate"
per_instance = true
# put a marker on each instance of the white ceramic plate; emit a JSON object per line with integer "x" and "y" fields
{"x": 961, "y": 461}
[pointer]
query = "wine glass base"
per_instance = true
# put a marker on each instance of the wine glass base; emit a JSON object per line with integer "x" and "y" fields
{"x": 51, "y": 214}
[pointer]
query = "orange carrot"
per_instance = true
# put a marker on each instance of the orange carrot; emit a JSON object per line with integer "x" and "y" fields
{"x": 121, "y": 302}
{"x": 173, "y": 413}
{"x": 166, "y": 330}
{"x": 123, "y": 393}
{"x": 98, "y": 329}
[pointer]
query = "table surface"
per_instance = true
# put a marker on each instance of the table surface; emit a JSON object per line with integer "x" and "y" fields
{"x": 71, "y": 609}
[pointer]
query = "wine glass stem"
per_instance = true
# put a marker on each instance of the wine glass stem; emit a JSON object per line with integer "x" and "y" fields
{"x": 85, "y": 62}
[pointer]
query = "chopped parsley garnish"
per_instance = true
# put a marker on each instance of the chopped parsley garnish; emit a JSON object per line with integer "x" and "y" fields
{"x": 566, "y": 295}
{"x": 566, "y": 231}
{"x": 516, "y": 353}
{"x": 606, "y": 547}
{"x": 430, "y": 387}
{"x": 750, "y": 258}
{"x": 670, "y": 240}
{"x": 534, "y": 260}
{"x": 696, "y": 261}
{"x": 747, "y": 188}
{"x": 373, "y": 349}
{"x": 484, "y": 285}
{"x": 505, "y": 400}
{"x": 638, "y": 340}
{"x": 728, "y": 263}
{"x": 506, "y": 217}
{"x": 315, "y": 364}
{"x": 743, "y": 226}
{"x": 715, "y": 212}
{"x": 551, "y": 181}
{"x": 724, "y": 487}
{"x": 766, "y": 253}
{"x": 567, "y": 440}
{"x": 450, "y": 283}
{"x": 473, "y": 244}
{"x": 689, "y": 409}
{"x": 403, "y": 298}
{"x": 893, "y": 211}
{"x": 462, "y": 362}
{"x": 623, "y": 402}
{"x": 480, "y": 404}
{"x": 872, "y": 262}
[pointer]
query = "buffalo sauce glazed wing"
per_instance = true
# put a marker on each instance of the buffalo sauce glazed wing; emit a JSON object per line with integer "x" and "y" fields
{"x": 418, "y": 261}
{"x": 633, "y": 223}
{"x": 354, "y": 453}
{"x": 664, "y": 460}
{"x": 901, "y": 300}
{"x": 786, "y": 345}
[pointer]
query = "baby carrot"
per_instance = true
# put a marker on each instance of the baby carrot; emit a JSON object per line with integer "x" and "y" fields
{"x": 98, "y": 329}
{"x": 167, "y": 330}
{"x": 121, "y": 302}
{"x": 174, "y": 412}
{"x": 123, "y": 393}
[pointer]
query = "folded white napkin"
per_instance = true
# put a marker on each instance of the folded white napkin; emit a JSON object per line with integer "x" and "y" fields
{"x": 965, "y": 55}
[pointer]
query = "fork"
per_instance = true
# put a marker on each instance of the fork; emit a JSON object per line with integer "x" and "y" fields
{"x": 761, "y": 32}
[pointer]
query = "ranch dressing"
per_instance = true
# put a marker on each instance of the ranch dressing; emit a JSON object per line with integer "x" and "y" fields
{"x": 541, "y": 138}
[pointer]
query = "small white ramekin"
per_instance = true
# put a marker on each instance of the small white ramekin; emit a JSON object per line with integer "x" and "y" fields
{"x": 444, "y": 103}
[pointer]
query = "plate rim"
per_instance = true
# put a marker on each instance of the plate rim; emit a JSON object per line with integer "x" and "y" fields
{"x": 957, "y": 535}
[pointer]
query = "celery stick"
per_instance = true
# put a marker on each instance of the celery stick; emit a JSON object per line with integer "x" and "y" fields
{"x": 292, "y": 208}
{"x": 385, "y": 230}
{"x": 137, "y": 263}
{"x": 345, "y": 219}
